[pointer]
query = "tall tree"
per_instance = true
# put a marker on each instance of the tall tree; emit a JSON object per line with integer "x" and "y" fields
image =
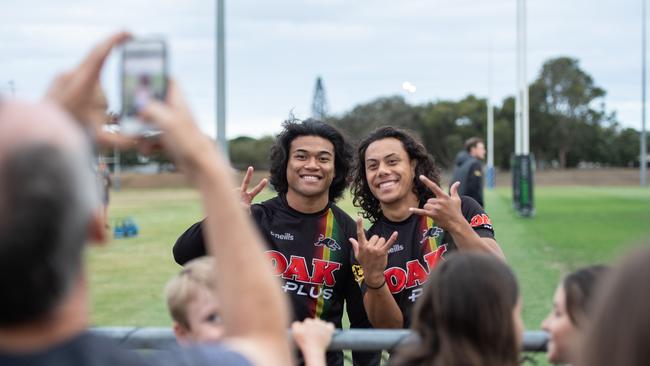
{"x": 385, "y": 111}
{"x": 563, "y": 99}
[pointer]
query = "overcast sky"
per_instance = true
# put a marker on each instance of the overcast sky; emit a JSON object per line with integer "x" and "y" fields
{"x": 363, "y": 49}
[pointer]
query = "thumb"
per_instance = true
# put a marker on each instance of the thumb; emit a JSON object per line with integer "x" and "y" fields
{"x": 453, "y": 191}
{"x": 157, "y": 113}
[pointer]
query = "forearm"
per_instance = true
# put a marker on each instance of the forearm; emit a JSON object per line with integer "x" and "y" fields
{"x": 231, "y": 238}
{"x": 382, "y": 309}
{"x": 314, "y": 356}
{"x": 466, "y": 238}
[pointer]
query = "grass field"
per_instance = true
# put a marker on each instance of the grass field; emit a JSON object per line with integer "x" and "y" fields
{"x": 572, "y": 227}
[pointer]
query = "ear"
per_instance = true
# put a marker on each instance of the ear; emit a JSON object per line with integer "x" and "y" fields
{"x": 97, "y": 232}
{"x": 182, "y": 334}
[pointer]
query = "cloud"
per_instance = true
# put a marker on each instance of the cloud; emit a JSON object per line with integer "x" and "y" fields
{"x": 363, "y": 49}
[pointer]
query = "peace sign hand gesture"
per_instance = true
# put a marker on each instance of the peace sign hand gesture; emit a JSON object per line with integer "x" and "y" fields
{"x": 372, "y": 254}
{"x": 246, "y": 197}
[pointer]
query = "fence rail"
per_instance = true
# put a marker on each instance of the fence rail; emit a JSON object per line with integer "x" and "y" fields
{"x": 355, "y": 339}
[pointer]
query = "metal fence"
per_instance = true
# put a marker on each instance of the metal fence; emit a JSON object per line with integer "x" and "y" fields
{"x": 354, "y": 339}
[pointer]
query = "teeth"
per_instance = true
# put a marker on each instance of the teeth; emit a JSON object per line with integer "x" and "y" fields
{"x": 310, "y": 178}
{"x": 386, "y": 184}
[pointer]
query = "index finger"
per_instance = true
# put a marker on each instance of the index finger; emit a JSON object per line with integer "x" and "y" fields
{"x": 92, "y": 64}
{"x": 433, "y": 187}
{"x": 247, "y": 179}
{"x": 361, "y": 234}
{"x": 391, "y": 240}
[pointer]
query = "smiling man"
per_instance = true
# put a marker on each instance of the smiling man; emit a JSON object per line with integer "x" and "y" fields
{"x": 306, "y": 233}
{"x": 414, "y": 224}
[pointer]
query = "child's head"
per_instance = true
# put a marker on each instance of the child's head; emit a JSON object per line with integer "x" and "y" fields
{"x": 193, "y": 304}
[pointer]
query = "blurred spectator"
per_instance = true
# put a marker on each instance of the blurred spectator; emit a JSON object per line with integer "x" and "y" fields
{"x": 50, "y": 208}
{"x": 469, "y": 314}
{"x": 620, "y": 330}
{"x": 571, "y": 311}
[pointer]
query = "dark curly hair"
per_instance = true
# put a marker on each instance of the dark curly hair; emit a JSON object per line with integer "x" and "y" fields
{"x": 426, "y": 166}
{"x": 294, "y": 128}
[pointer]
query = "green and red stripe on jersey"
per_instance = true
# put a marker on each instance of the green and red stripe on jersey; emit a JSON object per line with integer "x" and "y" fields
{"x": 327, "y": 229}
{"x": 430, "y": 240}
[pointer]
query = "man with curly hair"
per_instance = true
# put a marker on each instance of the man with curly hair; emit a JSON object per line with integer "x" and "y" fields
{"x": 306, "y": 233}
{"x": 396, "y": 183}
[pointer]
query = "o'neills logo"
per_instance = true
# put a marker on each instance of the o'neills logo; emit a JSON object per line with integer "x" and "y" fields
{"x": 415, "y": 274}
{"x": 295, "y": 269}
{"x": 327, "y": 242}
{"x": 285, "y": 236}
{"x": 432, "y": 232}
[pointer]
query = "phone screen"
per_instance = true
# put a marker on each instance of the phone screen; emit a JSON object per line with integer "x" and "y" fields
{"x": 144, "y": 77}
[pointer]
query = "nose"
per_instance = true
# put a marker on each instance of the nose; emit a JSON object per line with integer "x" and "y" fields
{"x": 382, "y": 169}
{"x": 311, "y": 163}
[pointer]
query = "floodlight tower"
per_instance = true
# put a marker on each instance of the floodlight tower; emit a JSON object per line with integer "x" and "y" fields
{"x": 319, "y": 103}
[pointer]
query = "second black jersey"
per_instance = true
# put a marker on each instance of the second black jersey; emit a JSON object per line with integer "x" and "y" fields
{"x": 420, "y": 245}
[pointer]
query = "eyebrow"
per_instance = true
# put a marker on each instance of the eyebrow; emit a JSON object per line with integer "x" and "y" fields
{"x": 384, "y": 157}
{"x": 308, "y": 152}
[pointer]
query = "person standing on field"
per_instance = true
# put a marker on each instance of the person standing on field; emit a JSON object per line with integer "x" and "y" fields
{"x": 468, "y": 169}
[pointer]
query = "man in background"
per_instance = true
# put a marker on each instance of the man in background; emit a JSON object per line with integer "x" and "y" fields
{"x": 468, "y": 169}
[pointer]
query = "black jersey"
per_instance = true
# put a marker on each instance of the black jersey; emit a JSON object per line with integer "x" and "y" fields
{"x": 420, "y": 245}
{"x": 312, "y": 255}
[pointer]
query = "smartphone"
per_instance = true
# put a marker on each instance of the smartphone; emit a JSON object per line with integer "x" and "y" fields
{"x": 144, "y": 77}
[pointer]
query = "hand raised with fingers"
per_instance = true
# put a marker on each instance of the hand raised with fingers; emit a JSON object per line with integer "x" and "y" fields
{"x": 312, "y": 334}
{"x": 372, "y": 254}
{"x": 247, "y": 196}
{"x": 181, "y": 136}
{"x": 77, "y": 92}
{"x": 444, "y": 208}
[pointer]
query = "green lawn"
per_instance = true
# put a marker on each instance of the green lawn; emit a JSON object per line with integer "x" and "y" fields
{"x": 572, "y": 227}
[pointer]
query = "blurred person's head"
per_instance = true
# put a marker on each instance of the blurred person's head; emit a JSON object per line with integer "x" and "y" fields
{"x": 475, "y": 147}
{"x": 469, "y": 314}
{"x": 310, "y": 159}
{"x": 49, "y": 209}
{"x": 389, "y": 163}
{"x": 572, "y": 303}
{"x": 619, "y": 327}
{"x": 193, "y": 303}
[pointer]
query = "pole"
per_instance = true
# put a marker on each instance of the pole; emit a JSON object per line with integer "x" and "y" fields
{"x": 117, "y": 183}
{"x": 525, "y": 140}
{"x": 518, "y": 94}
{"x": 490, "y": 124}
{"x": 643, "y": 150}
{"x": 221, "y": 77}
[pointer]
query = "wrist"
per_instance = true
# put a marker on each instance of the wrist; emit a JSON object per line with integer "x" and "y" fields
{"x": 374, "y": 279}
{"x": 457, "y": 226}
{"x": 372, "y": 286}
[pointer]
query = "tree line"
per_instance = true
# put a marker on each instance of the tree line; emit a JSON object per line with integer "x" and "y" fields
{"x": 569, "y": 124}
